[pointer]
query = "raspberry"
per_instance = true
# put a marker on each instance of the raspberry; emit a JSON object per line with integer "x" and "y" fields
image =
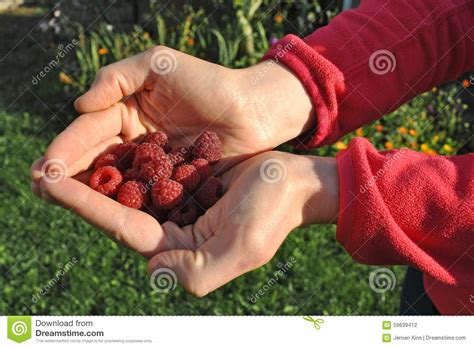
{"x": 209, "y": 193}
{"x": 185, "y": 214}
{"x": 159, "y": 138}
{"x": 208, "y": 146}
{"x": 147, "y": 152}
{"x": 125, "y": 153}
{"x": 131, "y": 174}
{"x": 203, "y": 168}
{"x": 166, "y": 194}
{"x": 108, "y": 159}
{"x": 106, "y": 180}
{"x": 188, "y": 176}
{"x": 153, "y": 170}
{"x": 180, "y": 155}
{"x": 133, "y": 194}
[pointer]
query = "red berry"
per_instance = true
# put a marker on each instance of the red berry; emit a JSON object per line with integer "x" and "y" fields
{"x": 180, "y": 155}
{"x": 185, "y": 214}
{"x": 125, "y": 154}
{"x": 131, "y": 174}
{"x": 203, "y": 168}
{"x": 147, "y": 152}
{"x": 188, "y": 176}
{"x": 107, "y": 159}
{"x": 208, "y": 146}
{"x": 209, "y": 193}
{"x": 106, "y": 180}
{"x": 133, "y": 194}
{"x": 154, "y": 170}
{"x": 166, "y": 194}
{"x": 159, "y": 138}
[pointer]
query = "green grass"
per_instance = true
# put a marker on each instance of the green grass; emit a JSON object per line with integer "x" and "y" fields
{"x": 37, "y": 240}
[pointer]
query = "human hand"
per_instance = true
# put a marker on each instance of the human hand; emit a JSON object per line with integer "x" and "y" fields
{"x": 251, "y": 109}
{"x": 265, "y": 198}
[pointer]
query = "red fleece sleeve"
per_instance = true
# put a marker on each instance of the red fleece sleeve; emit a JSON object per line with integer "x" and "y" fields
{"x": 404, "y": 207}
{"x": 370, "y": 60}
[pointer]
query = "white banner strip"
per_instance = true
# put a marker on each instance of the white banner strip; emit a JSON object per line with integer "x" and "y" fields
{"x": 217, "y": 331}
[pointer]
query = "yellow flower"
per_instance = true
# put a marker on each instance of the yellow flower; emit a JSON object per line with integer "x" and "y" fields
{"x": 103, "y": 51}
{"x": 414, "y": 144}
{"x": 278, "y": 18}
{"x": 466, "y": 83}
{"x": 435, "y": 138}
{"x": 389, "y": 145}
{"x": 190, "y": 42}
{"x": 379, "y": 127}
{"x": 359, "y": 132}
{"x": 340, "y": 145}
{"x": 412, "y": 132}
{"x": 447, "y": 148}
{"x": 146, "y": 35}
{"x": 402, "y": 130}
{"x": 424, "y": 148}
{"x": 64, "y": 78}
{"x": 434, "y": 89}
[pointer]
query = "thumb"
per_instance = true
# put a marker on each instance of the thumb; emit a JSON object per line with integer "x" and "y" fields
{"x": 114, "y": 82}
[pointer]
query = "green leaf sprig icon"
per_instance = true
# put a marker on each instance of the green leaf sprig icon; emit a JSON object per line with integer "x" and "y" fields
{"x": 316, "y": 322}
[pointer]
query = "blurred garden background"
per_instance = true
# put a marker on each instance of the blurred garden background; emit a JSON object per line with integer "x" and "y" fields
{"x": 51, "y": 262}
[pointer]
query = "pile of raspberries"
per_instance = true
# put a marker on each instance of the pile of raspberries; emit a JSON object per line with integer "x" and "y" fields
{"x": 170, "y": 184}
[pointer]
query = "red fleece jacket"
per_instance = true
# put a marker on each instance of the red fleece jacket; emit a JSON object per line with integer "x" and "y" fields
{"x": 400, "y": 206}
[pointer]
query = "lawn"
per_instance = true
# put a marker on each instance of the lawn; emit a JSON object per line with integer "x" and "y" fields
{"x": 52, "y": 262}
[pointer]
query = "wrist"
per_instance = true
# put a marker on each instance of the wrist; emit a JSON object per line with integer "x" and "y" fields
{"x": 318, "y": 182}
{"x": 279, "y": 100}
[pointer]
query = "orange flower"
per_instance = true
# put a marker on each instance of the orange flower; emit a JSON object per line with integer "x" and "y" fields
{"x": 278, "y": 18}
{"x": 402, "y": 130}
{"x": 414, "y": 144}
{"x": 359, "y": 132}
{"x": 431, "y": 152}
{"x": 103, "y": 51}
{"x": 389, "y": 145}
{"x": 379, "y": 127}
{"x": 64, "y": 78}
{"x": 190, "y": 42}
{"x": 340, "y": 145}
{"x": 466, "y": 83}
{"x": 412, "y": 132}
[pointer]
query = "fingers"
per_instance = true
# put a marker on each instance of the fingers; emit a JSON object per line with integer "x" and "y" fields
{"x": 114, "y": 82}
{"x": 84, "y": 133}
{"x": 217, "y": 261}
{"x": 131, "y": 227}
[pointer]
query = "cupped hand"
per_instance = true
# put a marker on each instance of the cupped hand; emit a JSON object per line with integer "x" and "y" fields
{"x": 164, "y": 89}
{"x": 265, "y": 198}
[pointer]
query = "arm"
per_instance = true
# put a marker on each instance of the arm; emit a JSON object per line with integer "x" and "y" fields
{"x": 352, "y": 82}
{"x": 404, "y": 207}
